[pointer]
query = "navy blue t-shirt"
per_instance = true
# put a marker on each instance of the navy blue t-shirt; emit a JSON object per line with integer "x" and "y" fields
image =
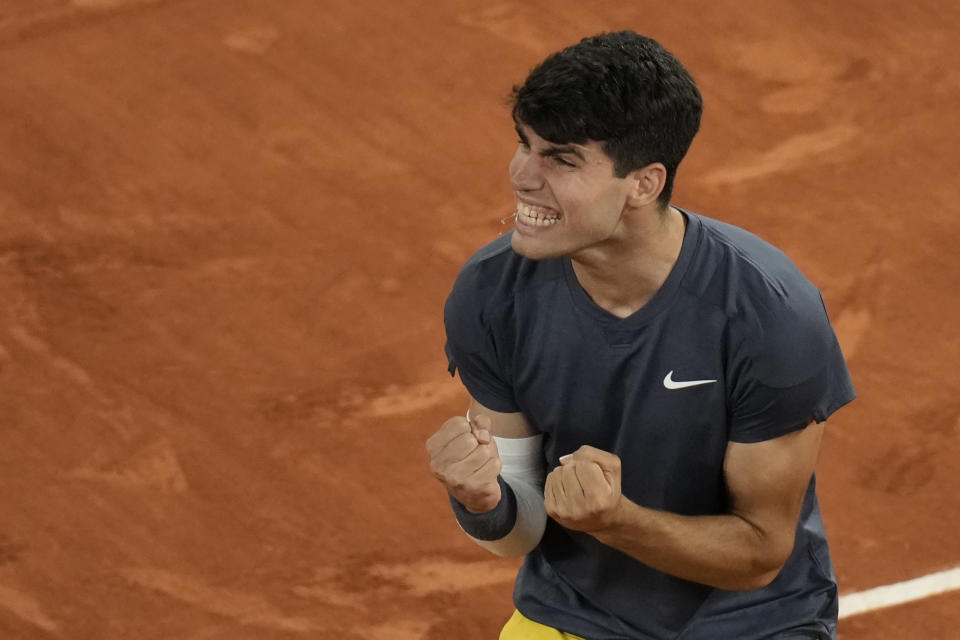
{"x": 736, "y": 316}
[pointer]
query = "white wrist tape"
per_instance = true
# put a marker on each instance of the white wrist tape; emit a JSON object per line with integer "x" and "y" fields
{"x": 524, "y": 470}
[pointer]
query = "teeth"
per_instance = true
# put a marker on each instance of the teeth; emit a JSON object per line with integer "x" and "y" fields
{"x": 536, "y": 215}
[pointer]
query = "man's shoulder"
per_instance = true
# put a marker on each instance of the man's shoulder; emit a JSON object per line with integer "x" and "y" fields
{"x": 493, "y": 255}
{"x": 739, "y": 268}
{"x": 496, "y": 248}
{"x": 497, "y": 270}
{"x": 758, "y": 256}
{"x": 496, "y": 282}
{"x": 485, "y": 283}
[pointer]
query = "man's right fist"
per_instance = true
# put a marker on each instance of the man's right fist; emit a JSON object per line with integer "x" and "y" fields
{"x": 464, "y": 457}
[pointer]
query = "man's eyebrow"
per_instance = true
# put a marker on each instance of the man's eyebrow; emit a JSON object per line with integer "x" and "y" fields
{"x": 554, "y": 150}
{"x": 562, "y": 150}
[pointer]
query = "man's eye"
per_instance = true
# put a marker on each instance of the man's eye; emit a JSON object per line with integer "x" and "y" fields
{"x": 522, "y": 142}
{"x": 563, "y": 162}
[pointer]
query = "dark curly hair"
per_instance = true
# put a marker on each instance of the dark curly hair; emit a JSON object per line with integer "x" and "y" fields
{"x": 620, "y": 89}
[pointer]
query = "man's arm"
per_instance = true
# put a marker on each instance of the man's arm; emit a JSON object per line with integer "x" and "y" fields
{"x": 503, "y": 425}
{"x": 744, "y": 549}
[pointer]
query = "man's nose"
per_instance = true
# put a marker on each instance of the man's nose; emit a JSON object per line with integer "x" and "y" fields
{"x": 525, "y": 172}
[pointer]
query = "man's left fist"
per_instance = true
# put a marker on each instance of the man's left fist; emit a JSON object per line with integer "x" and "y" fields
{"x": 583, "y": 493}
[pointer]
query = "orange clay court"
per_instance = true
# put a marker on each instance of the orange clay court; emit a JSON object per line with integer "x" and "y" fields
{"x": 227, "y": 229}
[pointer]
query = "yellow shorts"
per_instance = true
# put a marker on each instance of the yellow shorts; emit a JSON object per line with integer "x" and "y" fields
{"x": 519, "y": 627}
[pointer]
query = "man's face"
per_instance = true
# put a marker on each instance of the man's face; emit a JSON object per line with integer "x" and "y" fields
{"x": 568, "y": 198}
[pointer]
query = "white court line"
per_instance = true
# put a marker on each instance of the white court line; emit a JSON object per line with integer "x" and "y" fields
{"x": 899, "y": 593}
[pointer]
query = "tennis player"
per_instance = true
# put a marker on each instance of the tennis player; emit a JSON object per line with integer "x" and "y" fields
{"x": 648, "y": 385}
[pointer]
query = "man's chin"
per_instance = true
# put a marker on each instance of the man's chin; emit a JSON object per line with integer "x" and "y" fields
{"x": 532, "y": 250}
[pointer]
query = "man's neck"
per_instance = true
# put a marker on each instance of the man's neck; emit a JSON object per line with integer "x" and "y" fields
{"x": 624, "y": 275}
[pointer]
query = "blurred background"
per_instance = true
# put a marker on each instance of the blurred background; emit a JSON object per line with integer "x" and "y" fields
{"x": 227, "y": 230}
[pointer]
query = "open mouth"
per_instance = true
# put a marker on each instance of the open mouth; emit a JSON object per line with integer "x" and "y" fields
{"x": 536, "y": 216}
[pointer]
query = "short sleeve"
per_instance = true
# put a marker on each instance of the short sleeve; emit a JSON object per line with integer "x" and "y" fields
{"x": 789, "y": 372}
{"x": 472, "y": 348}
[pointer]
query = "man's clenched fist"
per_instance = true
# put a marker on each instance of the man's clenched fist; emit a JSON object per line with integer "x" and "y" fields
{"x": 463, "y": 456}
{"x": 583, "y": 493}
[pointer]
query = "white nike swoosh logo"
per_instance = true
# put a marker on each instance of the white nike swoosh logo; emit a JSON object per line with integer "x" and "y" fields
{"x": 670, "y": 383}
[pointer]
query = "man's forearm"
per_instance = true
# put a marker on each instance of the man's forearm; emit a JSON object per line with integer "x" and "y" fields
{"x": 516, "y": 524}
{"x": 723, "y": 551}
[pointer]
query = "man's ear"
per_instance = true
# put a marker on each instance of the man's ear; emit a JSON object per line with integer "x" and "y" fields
{"x": 648, "y": 184}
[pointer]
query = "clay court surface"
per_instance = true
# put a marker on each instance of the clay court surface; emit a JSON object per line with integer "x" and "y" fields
{"x": 227, "y": 229}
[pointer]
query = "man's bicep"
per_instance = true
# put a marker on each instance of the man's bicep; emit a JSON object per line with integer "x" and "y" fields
{"x": 767, "y": 481}
{"x": 503, "y": 425}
